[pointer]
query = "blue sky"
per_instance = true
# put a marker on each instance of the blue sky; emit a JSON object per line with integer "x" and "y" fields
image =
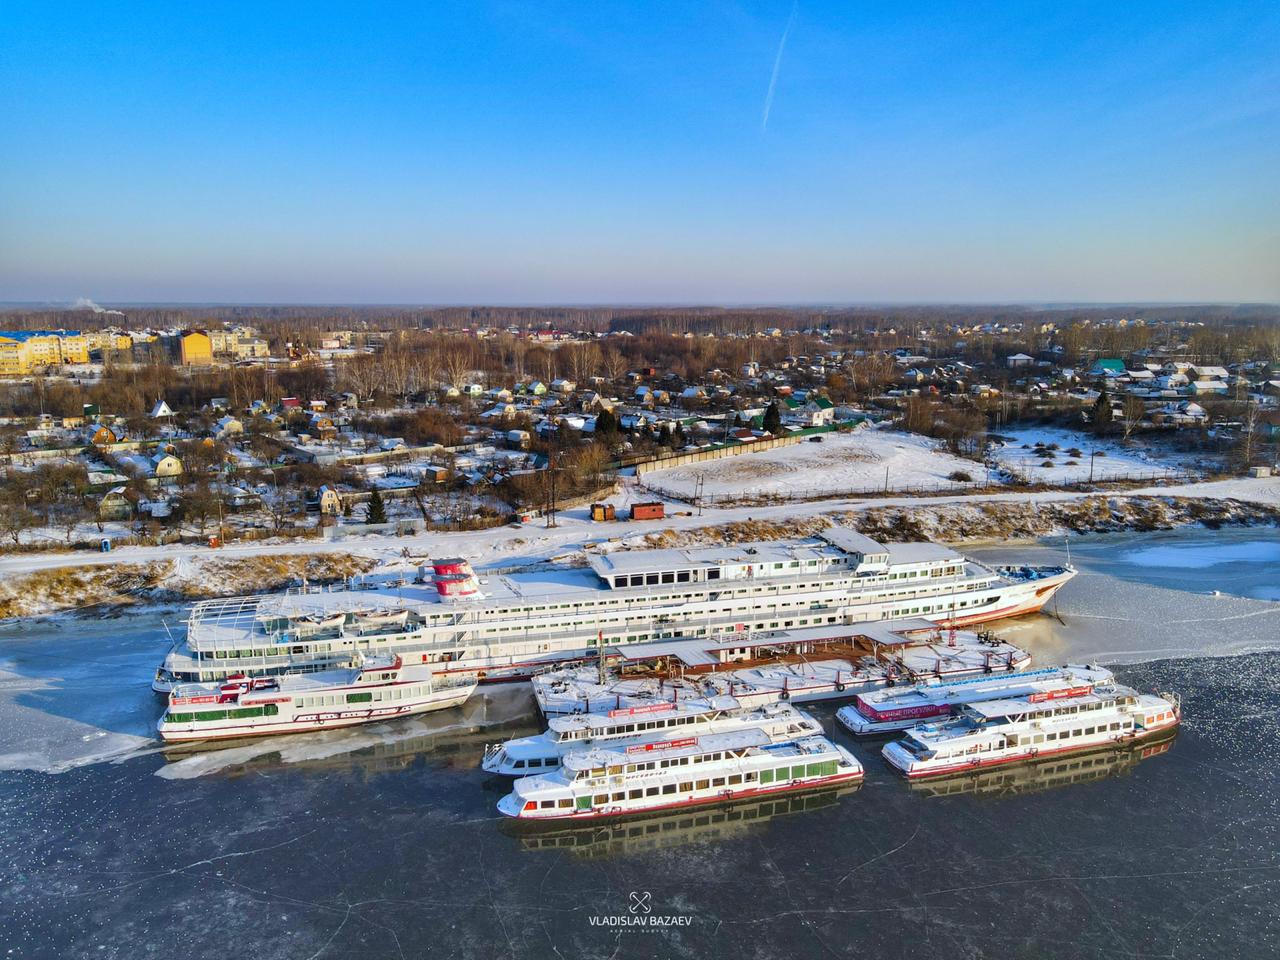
{"x": 616, "y": 152}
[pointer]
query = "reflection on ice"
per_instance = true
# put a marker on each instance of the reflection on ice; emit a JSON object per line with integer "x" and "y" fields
{"x": 675, "y": 830}
{"x": 1046, "y": 774}
{"x": 458, "y": 735}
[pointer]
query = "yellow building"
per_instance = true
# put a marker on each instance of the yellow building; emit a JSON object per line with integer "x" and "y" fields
{"x": 195, "y": 348}
{"x": 22, "y": 351}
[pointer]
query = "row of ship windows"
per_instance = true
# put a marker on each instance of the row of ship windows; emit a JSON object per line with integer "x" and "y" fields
{"x": 525, "y": 611}
{"x": 374, "y": 696}
{"x": 939, "y": 607}
{"x": 1044, "y": 738}
{"x": 634, "y": 727}
{"x": 679, "y": 577}
{"x": 236, "y": 713}
{"x": 825, "y": 768}
{"x": 631, "y": 638}
{"x": 662, "y": 764}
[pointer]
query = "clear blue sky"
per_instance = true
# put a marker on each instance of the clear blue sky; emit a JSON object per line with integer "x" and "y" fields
{"x": 618, "y": 152}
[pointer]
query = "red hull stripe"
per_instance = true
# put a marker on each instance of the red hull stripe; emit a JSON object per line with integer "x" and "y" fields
{"x": 312, "y": 728}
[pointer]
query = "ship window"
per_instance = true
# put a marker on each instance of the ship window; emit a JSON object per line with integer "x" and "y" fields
{"x": 735, "y": 779}
{"x": 637, "y": 580}
{"x": 566, "y": 802}
{"x": 713, "y": 573}
{"x": 669, "y": 788}
{"x": 546, "y": 804}
{"x": 601, "y": 798}
{"x": 619, "y": 796}
{"x": 686, "y": 787}
{"x": 718, "y": 782}
{"x": 704, "y": 784}
{"x": 683, "y": 576}
{"x": 179, "y": 717}
{"x": 359, "y": 697}
{"x": 651, "y": 792}
{"x": 668, "y": 578}
{"x": 634, "y": 794}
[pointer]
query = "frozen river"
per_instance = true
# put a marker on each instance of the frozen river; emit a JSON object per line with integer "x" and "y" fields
{"x": 383, "y": 842}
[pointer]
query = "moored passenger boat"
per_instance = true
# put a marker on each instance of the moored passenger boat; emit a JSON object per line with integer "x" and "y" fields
{"x": 899, "y": 708}
{"x": 376, "y": 688}
{"x": 632, "y": 725}
{"x": 509, "y": 626}
{"x": 605, "y": 782}
{"x": 1042, "y": 724}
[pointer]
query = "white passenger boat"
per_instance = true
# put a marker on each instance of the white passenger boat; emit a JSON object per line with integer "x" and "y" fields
{"x": 898, "y": 708}
{"x": 1043, "y": 724}
{"x": 659, "y": 775}
{"x": 377, "y": 688}
{"x": 510, "y": 625}
{"x": 633, "y": 725}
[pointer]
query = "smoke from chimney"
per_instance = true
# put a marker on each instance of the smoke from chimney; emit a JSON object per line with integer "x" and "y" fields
{"x": 84, "y": 303}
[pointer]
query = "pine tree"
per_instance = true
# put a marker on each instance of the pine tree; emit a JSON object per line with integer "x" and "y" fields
{"x": 606, "y": 423}
{"x": 773, "y": 419}
{"x": 377, "y": 509}
{"x": 1102, "y": 412}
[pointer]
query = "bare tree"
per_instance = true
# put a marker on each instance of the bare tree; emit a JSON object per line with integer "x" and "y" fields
{"x": 1131, "y": 416}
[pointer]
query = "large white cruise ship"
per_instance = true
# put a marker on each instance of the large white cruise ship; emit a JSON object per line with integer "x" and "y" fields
{"x": 506, "y": 627}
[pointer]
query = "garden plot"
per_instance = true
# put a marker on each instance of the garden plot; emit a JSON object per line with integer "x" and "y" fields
{"x": 864, "y": 461}
{"x": 1065, "y": 457}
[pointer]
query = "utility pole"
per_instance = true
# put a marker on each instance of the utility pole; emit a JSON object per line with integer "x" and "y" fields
{"x": 552, "y": 479}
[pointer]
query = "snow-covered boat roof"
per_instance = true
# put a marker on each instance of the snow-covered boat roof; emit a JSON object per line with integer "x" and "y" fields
{"x": 604, "y": 756}
{"x": 985, "y": 687}
{"x": 658, "y": 711}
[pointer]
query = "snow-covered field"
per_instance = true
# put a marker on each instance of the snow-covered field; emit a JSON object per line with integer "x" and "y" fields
{"x": 863, "y": 461}
{"x": 1070, "y": 461}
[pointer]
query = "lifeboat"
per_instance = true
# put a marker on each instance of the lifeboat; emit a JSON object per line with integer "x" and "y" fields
{"x": 381, "y": 619}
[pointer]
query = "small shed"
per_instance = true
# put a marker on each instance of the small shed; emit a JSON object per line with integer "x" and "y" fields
{"x": 648, "y": 511}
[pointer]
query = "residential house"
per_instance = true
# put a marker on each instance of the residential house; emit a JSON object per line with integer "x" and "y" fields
{"x": 116, "y": 504}
{"x": 165, "y": 465}
{"x": 329, "y": 501}
{"x": 228, "y": 426}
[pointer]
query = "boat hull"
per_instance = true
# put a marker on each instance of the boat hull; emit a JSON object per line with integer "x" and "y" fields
{"x": 230, "y": 731}
{"x": 1033, "y": 755}
{"x": 719, "y": 800}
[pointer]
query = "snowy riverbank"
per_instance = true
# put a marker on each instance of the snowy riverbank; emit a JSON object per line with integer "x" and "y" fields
{"x": 66, "y": 583}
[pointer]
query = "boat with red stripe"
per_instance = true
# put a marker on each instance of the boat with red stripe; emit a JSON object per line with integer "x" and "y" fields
{"x": 1082, "y": 717}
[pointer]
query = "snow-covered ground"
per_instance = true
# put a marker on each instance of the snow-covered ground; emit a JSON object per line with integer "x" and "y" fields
{"x": 534, "y": 541}
{"x": 1113, "y": 459}
{"x": 863, "y": 461}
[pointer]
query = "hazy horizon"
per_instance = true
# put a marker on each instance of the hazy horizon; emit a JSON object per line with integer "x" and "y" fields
{"x": 761, "y": 153}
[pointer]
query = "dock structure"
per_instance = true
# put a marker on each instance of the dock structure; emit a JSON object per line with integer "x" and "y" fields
{"x": 821, "y": 663}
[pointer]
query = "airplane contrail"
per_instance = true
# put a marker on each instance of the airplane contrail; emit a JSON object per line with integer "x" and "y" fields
{"x": 777, "y": 65}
